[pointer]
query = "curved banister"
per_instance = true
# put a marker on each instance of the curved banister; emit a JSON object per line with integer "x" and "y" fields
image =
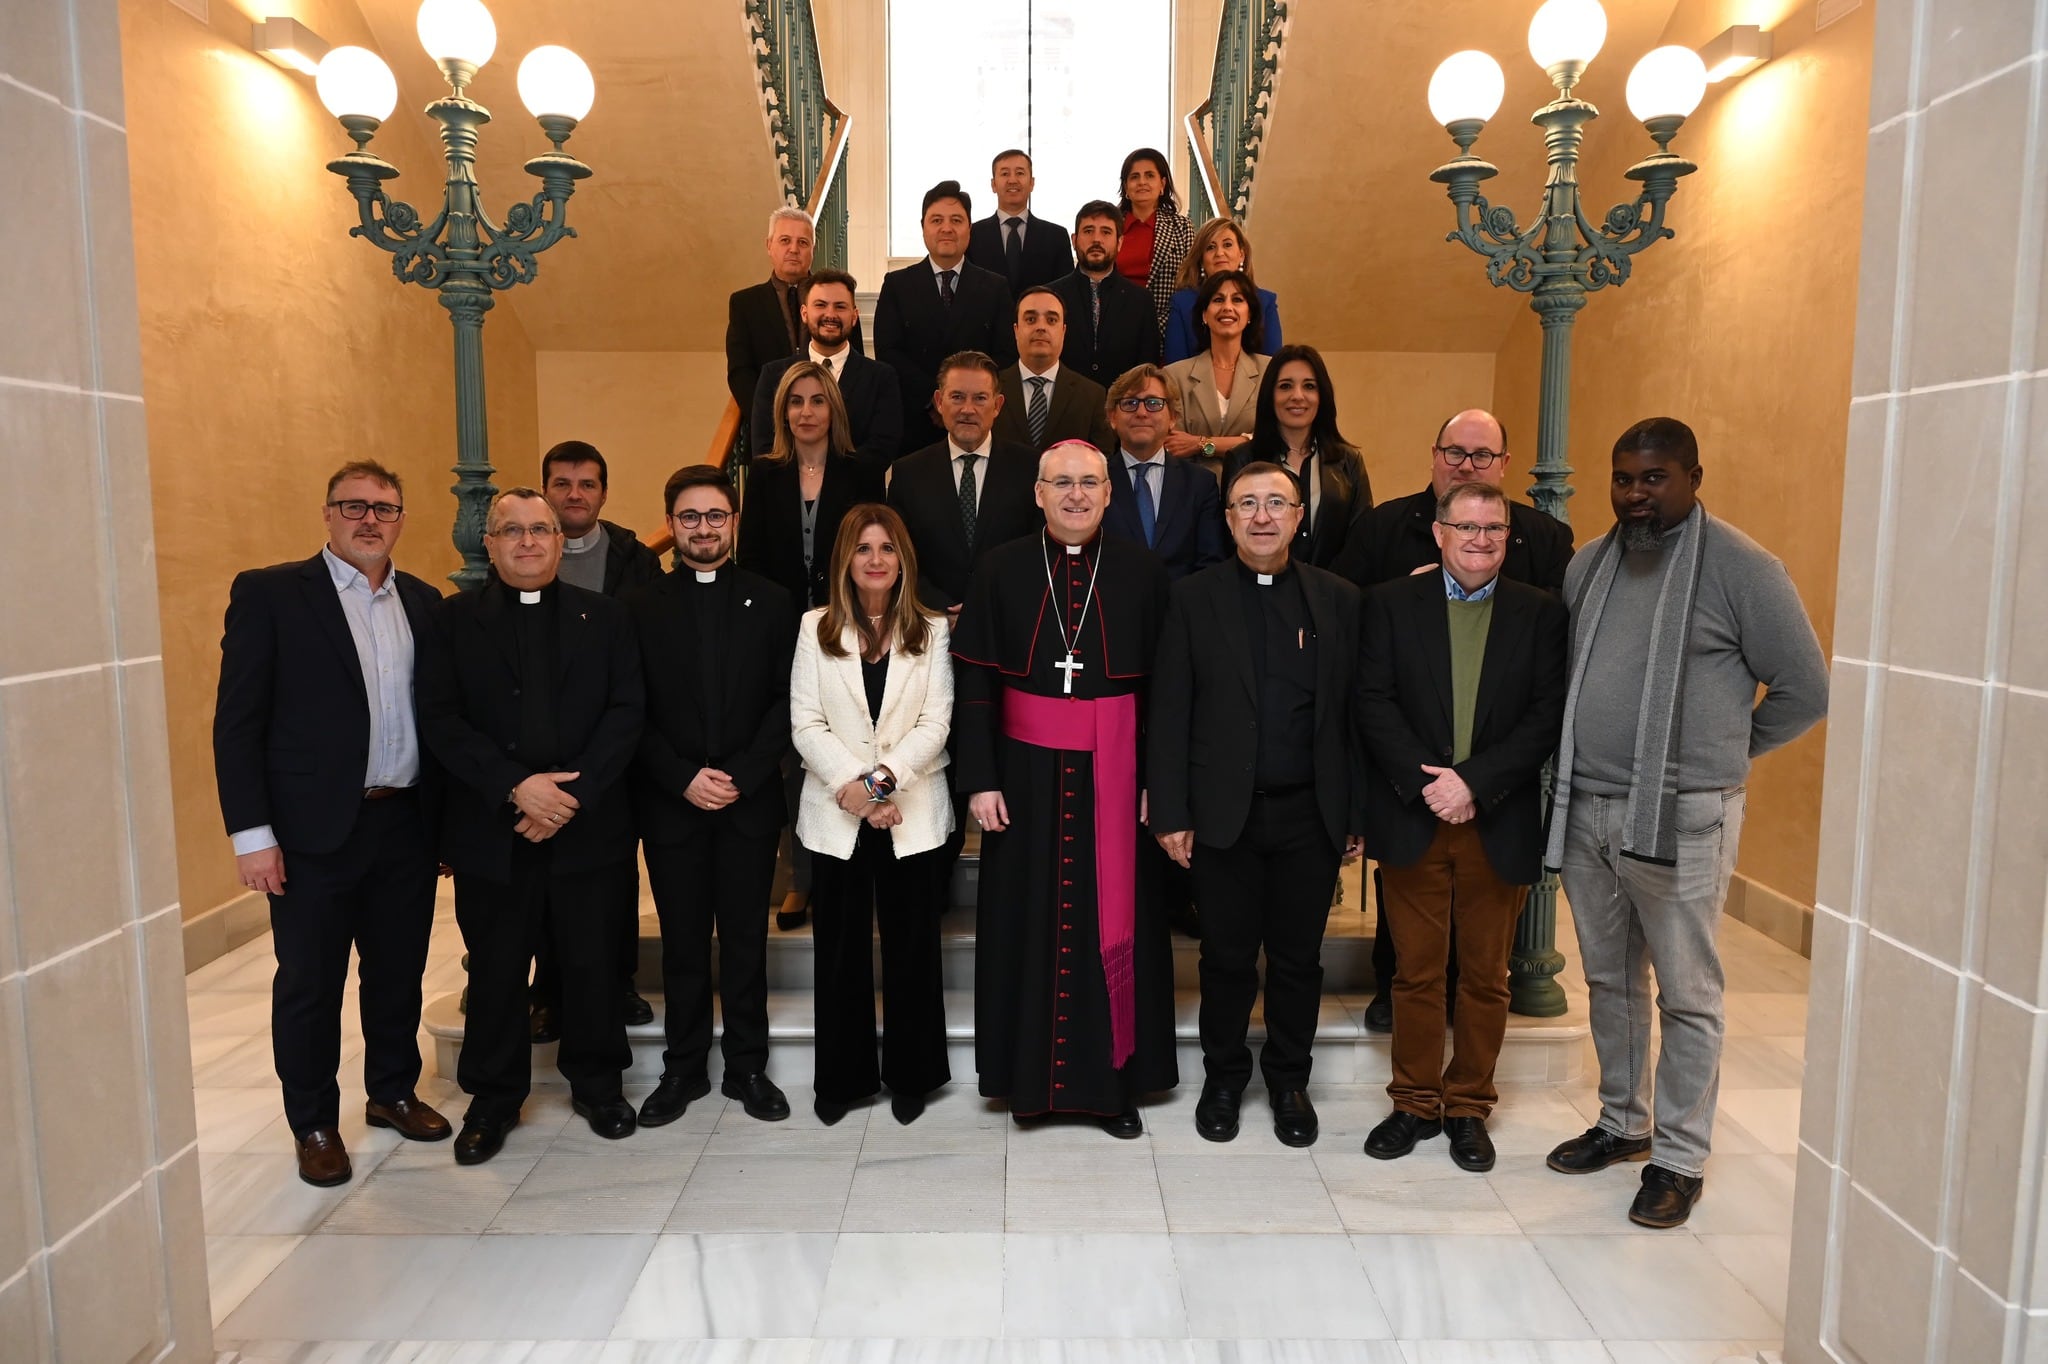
{"x": 719, "y": 453}
{"x": 1207, "y": 190}
{"x": 1227, "y": 132}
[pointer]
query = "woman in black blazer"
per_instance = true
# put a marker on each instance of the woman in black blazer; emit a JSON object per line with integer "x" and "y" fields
{"x": 1296, "y": 427}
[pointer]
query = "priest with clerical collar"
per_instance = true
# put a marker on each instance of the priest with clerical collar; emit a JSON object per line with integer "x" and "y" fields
{"x": 1073, "y": 971}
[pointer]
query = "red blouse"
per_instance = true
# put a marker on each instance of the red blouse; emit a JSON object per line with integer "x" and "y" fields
{"x": 1134, "y": 256}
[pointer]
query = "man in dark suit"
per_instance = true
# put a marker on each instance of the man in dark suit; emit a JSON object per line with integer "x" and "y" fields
{"x": 531, "y": 699}
{"x": 717, "y": 642}
{"x": 1461, "y": 695}
{"x": 1112, "y": 324}
{"x": 1022, "y": 248}
{"x": 764, "y": 321}
{"x": 938, "y": 307}
{"x": 1262, "y": 812}
{"x": 326, "y": 792}
{"x": 867, "y": 387}
{"x": 1063, "y": 403}
{"x": 1170, "y": 506}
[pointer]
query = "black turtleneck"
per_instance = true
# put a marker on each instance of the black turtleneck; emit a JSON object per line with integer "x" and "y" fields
{"x": 1282, "y": 638}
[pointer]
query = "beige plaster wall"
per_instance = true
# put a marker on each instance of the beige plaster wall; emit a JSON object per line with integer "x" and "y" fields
{"x": 649, "y": 412}
{"x": 1391, "y": 402}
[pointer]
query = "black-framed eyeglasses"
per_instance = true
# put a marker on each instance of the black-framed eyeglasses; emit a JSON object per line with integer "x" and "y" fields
{"x": 1149, "y": 403}
{"x": 1455, "y": 455}
{"x": 690, "y": 520}
{"x": 1472, "y": 530}
{"x": 1273, "y": 505}
{"x": 355, "y": 509}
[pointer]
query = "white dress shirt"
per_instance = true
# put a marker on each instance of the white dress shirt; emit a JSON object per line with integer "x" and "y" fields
{"x": 957, "y": 454}
{"x": 835, "y": 365}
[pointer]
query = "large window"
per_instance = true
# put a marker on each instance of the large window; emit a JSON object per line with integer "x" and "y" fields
{"x": 1077, "y": 83}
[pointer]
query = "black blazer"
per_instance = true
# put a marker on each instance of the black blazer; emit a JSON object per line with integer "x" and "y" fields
{"x": 915, "y": 332}
{"x": 291, "y": 721}
{"x": 1346, "y": 500}
{"x": 868, "y": 388}
{"x": 922, "y": 492}
{"x": 771, "y": 538}
{"x": 1129, "y": 334}
{"x": 627, "y": 562}
{"x": 1393, "y": 539}
{"x": 1404, "y": 714}
{"x": 753, "y": 732}
{"x": 755, "y": 334}
{"x": 469, "y": 714}
{"x": 1201, "y": 753}
{"x": 1076, "y": 409}
{"x": 1187, "y": 525}
{"x": 1048, "y": 251}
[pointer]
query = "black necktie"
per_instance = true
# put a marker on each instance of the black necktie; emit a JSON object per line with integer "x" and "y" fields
{"x": 967, "y": 501}
{"x": 946, "y": 287}
{"x": 1013, "y": 253}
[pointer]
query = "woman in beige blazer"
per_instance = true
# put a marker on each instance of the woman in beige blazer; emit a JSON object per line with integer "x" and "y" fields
{"x": 1219, "y": 384}
{"x": 870, "y": 705}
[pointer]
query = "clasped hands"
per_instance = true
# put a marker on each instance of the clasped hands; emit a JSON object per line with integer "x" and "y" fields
{"x": 544, "y": 807}
{"x": 878, "y": 814}
{"x": 1448, "y": 798}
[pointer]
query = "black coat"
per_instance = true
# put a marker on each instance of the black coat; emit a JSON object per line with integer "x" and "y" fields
{"x": 1404, "y": 714}
{"x": 469, "y": 715}
{"x": 1077, "y": 408}
{"x": 873, "y": 410}
{"x": 922, "y": 491}
{"x": 1187, "y": 525}
{"x": 771, "y": 539}
{"x": 1346, "y": 502}
{"x": 753, "y": 726}
{"x": 1129, "y": 334}
{"x": 915, "y": 331}
{"x": 1394, "y": 539}
{"x": 1202, "y": 753}
{"x": 756, "y": 334}
{"x": 628, "y": 564}
{"x": 1048, "y": 251}
{"x": 291, "y": 721}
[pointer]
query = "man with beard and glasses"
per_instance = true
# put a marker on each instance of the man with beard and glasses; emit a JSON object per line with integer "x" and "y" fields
{"x": 1112, "y": 325}
{"x": 1677, "y": 620}
{"x": 716, "y": 642}
{"x": 874, "y": 410}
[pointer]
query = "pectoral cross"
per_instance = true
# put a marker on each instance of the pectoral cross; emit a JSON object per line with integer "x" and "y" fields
{"x": 1069, "y": 667}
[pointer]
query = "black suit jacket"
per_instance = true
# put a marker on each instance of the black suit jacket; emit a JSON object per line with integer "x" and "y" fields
{"x": 469, "y": 713}
{"x": 628, "y": 564}
{"x": 1404, "y": 714}
{"x": 1187, "y": 525}
{"x": 1077, "y": 408}
{"x": 753, "y": 731}
{"x": 868, "y": 388}
{"x": 921, "y": 490}
{"x": 1202, "y": 754}
{"x": 1129, "y": 334}
{"x": 755, "y": 334}
{"x": 771, "y": 539}
{"x": 1393, "y": 539}
{"x": 1048, "y": 251}
{"x": 291, "y": 721}
{"x": 915, "y": 331}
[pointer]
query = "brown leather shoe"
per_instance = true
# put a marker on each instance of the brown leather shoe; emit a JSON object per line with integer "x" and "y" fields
{"x": 323, "y": 1160}
{"x": 413, "y": 1120}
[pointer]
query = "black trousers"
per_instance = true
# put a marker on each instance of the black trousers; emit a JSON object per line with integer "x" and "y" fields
{"x": 850, "y": 897}
{"x": 1272, "y": 887}
{"x": 502, "y": 924}
{"x": 375, "y": 892}
{"x": 547, "y": 974}
{"x": 718, "y": 877}
{"x": 1383, "y": 947}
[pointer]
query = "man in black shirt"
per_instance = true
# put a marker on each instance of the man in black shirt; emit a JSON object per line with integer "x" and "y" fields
{"x": 1112, "y": 325}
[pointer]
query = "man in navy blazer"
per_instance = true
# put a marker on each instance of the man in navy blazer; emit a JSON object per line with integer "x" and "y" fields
{"x": 868, "y": 387}
{"x": 1168, "y": 505}
{"x": 1025, "y": 250}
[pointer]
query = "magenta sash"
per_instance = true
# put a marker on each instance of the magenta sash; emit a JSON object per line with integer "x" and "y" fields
{"x": 1108, "y": 728}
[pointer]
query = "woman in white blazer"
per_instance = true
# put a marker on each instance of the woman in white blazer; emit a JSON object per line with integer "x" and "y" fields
{"x": 870, "y": 705}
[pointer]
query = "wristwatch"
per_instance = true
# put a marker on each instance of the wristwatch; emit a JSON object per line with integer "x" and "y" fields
{"x": 1208, "y": 449}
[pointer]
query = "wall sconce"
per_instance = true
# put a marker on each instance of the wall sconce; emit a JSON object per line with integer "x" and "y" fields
{"x": 290, "y": 44}
{"x": 1736, "y": 52}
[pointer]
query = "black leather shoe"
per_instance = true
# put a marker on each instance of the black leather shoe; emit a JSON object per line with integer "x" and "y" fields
{"x": 1216, "y": 1112}
{"x": 609, "y": 1118}
{"x": 1294, "y": 1118}
{"x": 1397, "y": 1134}
{"x": 795, "y": 911}
{"x": 637, "y": 1010}
{"x": 1666, "y": 1198}
{"x": 480, "y": 1139}
{"x": 542, "y": 1024}
{"x": 757, "y": 1095}
{"x": 1125, "y": 1126}
{"x": 829, "y": 1111}
{"x": 411, "y": 1119}
{"x": 1379, "y": 1015}
{"x": 670, "y": 1098}
{"x": 907, "y": 1108}
{"x": 1471, "y": 1148}
{"x": 1595, "y": 1149}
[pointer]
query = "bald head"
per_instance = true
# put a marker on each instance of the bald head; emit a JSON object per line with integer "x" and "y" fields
{"x": 1469, "y": 439}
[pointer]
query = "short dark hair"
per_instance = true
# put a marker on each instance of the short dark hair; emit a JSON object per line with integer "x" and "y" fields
{"x": 1255, "y": 311}
{"x": 968, "y": 359}
{"x": 838, "y": 277}
{"x": 1003, "y": 156}
{"x": 696, "y": 476}
{"x": 1489, "y": 492}
{"x": 575, "y": 452}
{"x": 1031, "y": 289}
{"x": 524, "y": 494}
{"x": 1461, "y": 412}
{"x": 1664, "y": 437}
{"x": 1100, "y": 208}
{"x": 1169, "y": 202}
{"x": 946, "y": 189}
{"x": 1256, "y": 467}
{"x": 365, "y": 468}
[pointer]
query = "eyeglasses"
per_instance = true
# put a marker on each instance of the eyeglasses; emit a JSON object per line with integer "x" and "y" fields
{"x": 1454, "y": 455}
{"x": 1274, "y": 505}
{"x": 1472, "y": 530}
{"x": 1087, "y": 484}
{"x": 517, "y": 533}
{"x": 1148, "y": 403}
{"x": 355, "y": 509}
{"x": 690, "y": 520}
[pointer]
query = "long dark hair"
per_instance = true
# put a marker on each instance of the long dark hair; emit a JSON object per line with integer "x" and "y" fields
{"x": 1266, "y": 441}
{"x": 905, "y": 620}
{"x": 1254, "y": 340}
{"x": 1169, "y": 202}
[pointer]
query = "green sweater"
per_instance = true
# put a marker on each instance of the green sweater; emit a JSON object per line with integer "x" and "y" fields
{"x": 1469, "y": 623}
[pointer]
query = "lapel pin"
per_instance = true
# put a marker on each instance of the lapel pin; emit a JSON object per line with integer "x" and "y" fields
{"x": 748, "y": 602}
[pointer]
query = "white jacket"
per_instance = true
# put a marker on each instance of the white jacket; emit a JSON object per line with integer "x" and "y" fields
{"x": 828, "y": 717}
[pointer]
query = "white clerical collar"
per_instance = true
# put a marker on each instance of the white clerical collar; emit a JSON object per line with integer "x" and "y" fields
{"x": 582, "y": 544}
{"x": 1051, "y": 373}
{"x": 529, "y": 598}
{"x": 959, "y": 451}
{"x": 1073, "y": 549}
{"x": 1264, "y": 579}
{"x": 704, "y": 577}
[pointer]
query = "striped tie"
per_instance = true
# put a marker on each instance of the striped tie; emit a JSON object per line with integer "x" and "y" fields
{"x": 1036, "y": 410}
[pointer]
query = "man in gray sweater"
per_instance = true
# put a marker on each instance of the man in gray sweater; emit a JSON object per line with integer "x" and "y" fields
{"x": 1676, "y": 620}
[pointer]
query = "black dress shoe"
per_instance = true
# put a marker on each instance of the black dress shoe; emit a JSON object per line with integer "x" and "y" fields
{"x": 323, "y": 1160}
{"x": 542, "y": 1024}
{"x": 637, "y": 1009}
{"x": 757, "y": 1095}
{"x": 1471, "y": 1148}
{"x": 1397, "y": 1134}
{"x": 1216, "y": 1112}
{"x": 1294, "y": 1118}
{"x": 480, "y": 1139}
{"x": 1379, "y": 1014}
{"x": 795, "y": 910}
{"x": 670, "y": 1098}
{"x": 907, "y": 1108}
{"x": 1595, "y": 1149}
{"x": 1666, "y": 1198}
{"x": 1125, "y": 1126}
{"x": 829, "y": 1111}
{"x": 609, "y": 1118}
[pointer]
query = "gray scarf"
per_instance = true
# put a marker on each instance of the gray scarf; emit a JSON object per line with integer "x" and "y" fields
{"x": 1651, "y": 833}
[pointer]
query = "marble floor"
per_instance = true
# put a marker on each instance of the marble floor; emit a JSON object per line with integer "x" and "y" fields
{"x": 720, "y": 1240}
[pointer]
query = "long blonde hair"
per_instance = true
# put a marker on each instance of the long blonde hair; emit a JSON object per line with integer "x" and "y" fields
{"x": 1191, "y": 271}
{"x": 905, "y": 620}
{"x": 840, "y": 441}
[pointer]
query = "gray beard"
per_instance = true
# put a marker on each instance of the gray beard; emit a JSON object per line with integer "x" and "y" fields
{"x": 1642, "y": 535}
